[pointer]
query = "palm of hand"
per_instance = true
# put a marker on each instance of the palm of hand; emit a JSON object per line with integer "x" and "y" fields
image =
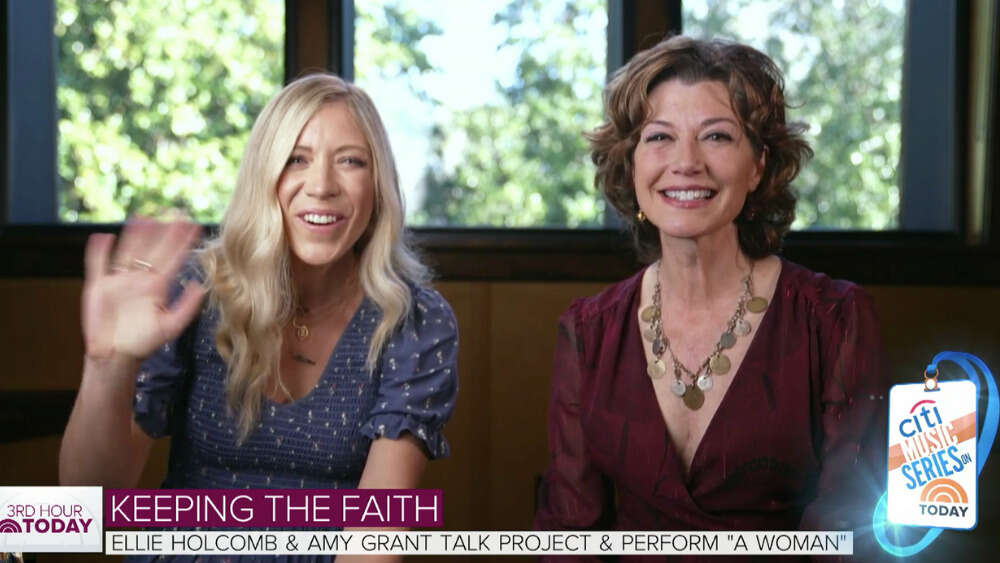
{"x": 124, "y": 305}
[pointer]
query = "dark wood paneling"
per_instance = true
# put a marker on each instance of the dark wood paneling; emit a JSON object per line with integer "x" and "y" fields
{"x": 654, "y": 21}
{"x": 26, "y": 415}
{"x": 523, "y": 336}
{"x": 312, "y": 38}
{"x": 461, "y": 476}
{"x": 497, "y": 433}
{"x": 992, "y": 199}
{"x": 585, "y": 255}
{"x": 41, "y": 343}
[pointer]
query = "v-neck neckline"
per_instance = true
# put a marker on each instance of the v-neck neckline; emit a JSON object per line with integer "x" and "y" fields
{"x": 649, "y": 393}
{"x": 337, "y": 350}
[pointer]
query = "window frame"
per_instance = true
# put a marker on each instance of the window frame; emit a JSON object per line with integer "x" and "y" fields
{"x": 953, "y": 257}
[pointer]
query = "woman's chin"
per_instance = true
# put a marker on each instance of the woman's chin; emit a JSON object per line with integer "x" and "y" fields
{"x": 320, "y": 258}
{"x": 698, "y": 232}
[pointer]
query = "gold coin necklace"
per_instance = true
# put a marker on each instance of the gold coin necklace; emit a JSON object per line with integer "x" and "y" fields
{"x": 717, "y": 363}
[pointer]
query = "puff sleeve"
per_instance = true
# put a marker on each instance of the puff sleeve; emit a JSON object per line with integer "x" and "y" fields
{"x": 160, "y": 384}
{"x": 852, "y": 413}
{"x": 418, "y": 376}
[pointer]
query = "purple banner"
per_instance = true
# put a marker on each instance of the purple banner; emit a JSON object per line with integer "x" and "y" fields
{"x": 272, "y": 508}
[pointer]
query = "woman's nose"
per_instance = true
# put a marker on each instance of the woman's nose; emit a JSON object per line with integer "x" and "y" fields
{"x": 323, "y": 182}
{"x": 687, "y": 158}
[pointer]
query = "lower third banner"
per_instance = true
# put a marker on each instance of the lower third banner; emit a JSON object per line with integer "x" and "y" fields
{"x": 478, "y": 543}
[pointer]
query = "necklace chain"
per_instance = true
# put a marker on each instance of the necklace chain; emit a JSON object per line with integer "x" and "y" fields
{"x": 716, "y": 363}
{"x": 301, "y": 313}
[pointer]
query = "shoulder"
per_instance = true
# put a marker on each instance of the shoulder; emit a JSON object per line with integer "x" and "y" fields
{"x": 427, "y": 300}
{"x": 610, "y": 301}
{"x": 428, "y": 307}
{"x": 829, "y": 305}
{"x": 429, "y": 321}
{"x": 820, "y": 290}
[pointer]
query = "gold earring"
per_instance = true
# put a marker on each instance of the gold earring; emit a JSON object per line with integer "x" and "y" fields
{"x": 640, "y": 216}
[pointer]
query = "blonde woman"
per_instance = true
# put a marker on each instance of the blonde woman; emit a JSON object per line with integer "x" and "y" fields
{"x": 318, "y": 360}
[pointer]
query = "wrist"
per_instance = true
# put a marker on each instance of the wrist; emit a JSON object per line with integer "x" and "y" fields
{"x": 107, "y": 378}
{"x": 110, "y": 361}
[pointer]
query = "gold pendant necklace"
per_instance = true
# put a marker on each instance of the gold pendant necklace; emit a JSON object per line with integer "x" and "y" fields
{"x": 301, "y": 329}
{"x": 717, "y": 363}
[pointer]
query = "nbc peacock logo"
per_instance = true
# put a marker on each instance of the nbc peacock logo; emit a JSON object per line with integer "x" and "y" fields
{"x": 944, "y": 497}
{"x": 8, "y": 526}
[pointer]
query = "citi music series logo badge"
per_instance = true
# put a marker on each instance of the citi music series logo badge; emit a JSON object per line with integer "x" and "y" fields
{"x": 932, "y": 474}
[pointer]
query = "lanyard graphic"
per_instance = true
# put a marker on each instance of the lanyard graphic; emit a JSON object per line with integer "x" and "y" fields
{"x": 985, "y": 442}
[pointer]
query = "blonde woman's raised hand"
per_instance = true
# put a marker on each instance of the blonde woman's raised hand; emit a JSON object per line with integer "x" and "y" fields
{"x": 125, "y": 312}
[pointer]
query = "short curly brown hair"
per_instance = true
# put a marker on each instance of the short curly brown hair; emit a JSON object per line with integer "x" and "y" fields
{"x": 756, "y": 92}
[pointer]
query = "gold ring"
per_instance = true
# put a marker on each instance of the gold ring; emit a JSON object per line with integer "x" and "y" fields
{"x": 142, "y": 265}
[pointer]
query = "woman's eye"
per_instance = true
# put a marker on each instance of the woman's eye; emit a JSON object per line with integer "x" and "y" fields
{"x": 719, "y": 136}
{"x": 654, "y": 137}
{"x": 353, "y": 161}
{"x": 295, "y": 159}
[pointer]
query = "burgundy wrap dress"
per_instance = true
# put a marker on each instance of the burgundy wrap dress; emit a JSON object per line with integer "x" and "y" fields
{"x": 796, "y": 444}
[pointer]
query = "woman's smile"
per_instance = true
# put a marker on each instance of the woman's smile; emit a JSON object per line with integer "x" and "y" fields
{"x": 687, "y": 197}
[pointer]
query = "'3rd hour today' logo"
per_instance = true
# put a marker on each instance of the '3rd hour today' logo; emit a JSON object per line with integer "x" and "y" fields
{"x": 41, "y": 519}
{"x": 44, "y": 517}
{"x": 932, "y": 449}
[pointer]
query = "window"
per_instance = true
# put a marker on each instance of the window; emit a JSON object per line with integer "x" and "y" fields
{"x": 875, "y": 167}
{"x": 486, "y": 103}
{"x": 154, "y": 105}
{"x": 460, "y": 161}
{"x": 843, "y": 64}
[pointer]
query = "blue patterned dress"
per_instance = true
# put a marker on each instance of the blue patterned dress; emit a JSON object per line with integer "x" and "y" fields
{"x": 321, "y": 440}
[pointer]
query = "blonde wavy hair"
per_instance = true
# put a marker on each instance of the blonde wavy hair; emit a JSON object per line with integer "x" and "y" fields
{"x": 248, "y": 265}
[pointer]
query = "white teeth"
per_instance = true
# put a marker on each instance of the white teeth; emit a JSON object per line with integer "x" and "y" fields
{"x": 317, "y": 219}
{"x": 688, "y": 195}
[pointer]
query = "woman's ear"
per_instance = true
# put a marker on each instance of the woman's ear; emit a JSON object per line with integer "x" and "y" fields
{"x": 759, "y": 169}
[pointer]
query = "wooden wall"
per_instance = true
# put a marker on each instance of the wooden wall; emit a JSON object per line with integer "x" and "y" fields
{"x": 507, "y": 333}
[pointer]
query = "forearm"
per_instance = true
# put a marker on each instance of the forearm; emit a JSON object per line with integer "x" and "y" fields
{"x": 100, "y": 445}
{"x": 391, "y": 464}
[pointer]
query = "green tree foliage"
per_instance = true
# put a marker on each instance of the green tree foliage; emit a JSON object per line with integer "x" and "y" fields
{"x": 843, "y": 65}
{"x": 156, "y": 101}
{"x": 387, "y": 37}
{"x": 522, "y": 160}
